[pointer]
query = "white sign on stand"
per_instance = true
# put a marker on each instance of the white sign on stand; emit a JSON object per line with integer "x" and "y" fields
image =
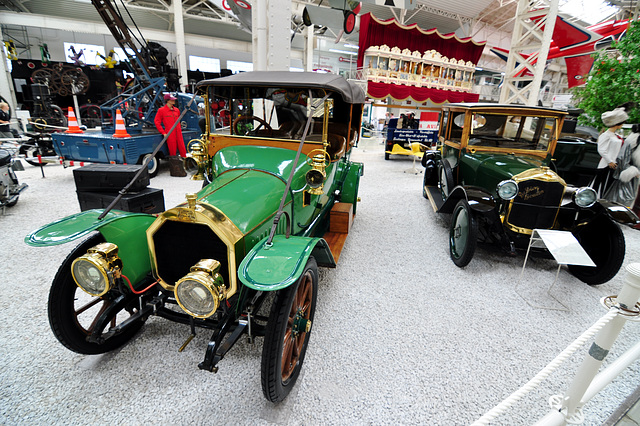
{"x": 565, "y": 249}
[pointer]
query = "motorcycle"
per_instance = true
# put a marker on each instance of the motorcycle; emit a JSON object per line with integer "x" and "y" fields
{"x": 39, "y": 144}
{"x": 10, "y": 189}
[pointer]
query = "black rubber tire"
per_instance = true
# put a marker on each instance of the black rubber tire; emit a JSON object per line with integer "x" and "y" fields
{"x": 302, "y": 295}
{"x": 349, "y": 23}
{"x": 31, "y": 153}
{"x": 386, "y": 155}
{"x": 13, "y": 203}
{"x": 424, "y": 185}
{"x": 58, "y": 116}
{"x": 65, "y": 320}
{"x": 603, "y": 241}
{"x": 445, "y": 179}
{"x": 153, "y": 165}
{"x": 463, "y": 234}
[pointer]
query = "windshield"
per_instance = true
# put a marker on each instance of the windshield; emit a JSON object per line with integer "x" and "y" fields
{"x": 279, "y": 113}
{"x": 510, "y": 131}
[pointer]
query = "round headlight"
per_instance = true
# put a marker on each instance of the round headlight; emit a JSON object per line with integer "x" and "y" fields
{"x": 507, "y": 189}
{"x": 197, "y": 294}
{"x": 585, "y": 197}
{"x": 315, "y": 178}
{"x": 90, "y": 273}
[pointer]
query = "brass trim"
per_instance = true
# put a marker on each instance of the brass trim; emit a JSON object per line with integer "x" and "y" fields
{"x": 216, "y": 220}
{"x": 543, "y": 174}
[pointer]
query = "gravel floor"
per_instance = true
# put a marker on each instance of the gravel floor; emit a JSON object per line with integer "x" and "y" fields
{"x": 401, "y": 336}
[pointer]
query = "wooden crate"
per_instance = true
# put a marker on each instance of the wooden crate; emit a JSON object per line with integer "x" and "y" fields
{"x": 341, "y": 218}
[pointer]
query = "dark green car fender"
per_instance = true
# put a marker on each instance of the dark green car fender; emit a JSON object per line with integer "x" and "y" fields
{"x": 617, "y": 212}
{"x": 126, "y": 230}
{"x": 351, "y": 183}
{"x": 274, "y": 267}
{"x": 479, "y": 200}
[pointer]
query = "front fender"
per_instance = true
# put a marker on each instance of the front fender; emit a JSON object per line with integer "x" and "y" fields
{"x": 618, "y": 212}
{"x": 479, "y": 200}
{"x": 351, "y": 184}
{"x": 269, "y": 268}
{"x": 77, "y": 226}
{"x": 126, "y": 230}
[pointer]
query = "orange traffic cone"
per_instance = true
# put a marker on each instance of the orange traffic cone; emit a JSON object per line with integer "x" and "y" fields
{"x": 121, "y": 130}
{"x": 73, "y": 123}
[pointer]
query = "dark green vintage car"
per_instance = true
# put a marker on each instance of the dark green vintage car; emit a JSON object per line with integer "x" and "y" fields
{"x": 278, "y": 199}
{"x": 494, "y": 172}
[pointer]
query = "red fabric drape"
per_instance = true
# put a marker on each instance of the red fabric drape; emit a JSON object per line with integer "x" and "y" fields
{"x": 418, "y": 94}
{"x": 376, "y": 32}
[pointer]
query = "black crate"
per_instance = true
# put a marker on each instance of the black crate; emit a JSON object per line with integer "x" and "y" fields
{"x": 110, "y": 177}
{"x": 149, "y": 200}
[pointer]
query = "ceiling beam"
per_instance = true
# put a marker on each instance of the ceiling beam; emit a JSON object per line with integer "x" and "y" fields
{"x": 95, "y": 27}
{"x": 98, "y": 27}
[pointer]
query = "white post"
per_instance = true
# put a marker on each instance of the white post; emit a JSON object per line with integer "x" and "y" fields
{"x": 278, "y": 35}
{"x": 6, "y": 83}
{"x": 77, "y": 108}
{"x": 178, "y": 24}
{"x": 627, "y": 299}
{"x": 308, "y": 50}
{"x": 259, "y": 35}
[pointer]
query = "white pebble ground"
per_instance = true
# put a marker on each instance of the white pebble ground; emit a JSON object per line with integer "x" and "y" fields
{"x": 401, "y": 335}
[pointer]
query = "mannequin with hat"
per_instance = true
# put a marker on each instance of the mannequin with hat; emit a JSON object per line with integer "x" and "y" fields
{"x": 627, "y": 175}
{"x": 609, "y": 144}
{"x": 165, "y": 118}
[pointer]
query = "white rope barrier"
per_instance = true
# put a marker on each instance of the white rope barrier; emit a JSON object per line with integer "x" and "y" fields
{"x": 545, "y": 372}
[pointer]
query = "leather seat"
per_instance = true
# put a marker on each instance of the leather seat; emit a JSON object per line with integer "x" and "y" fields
{"x": 5, "y": 157}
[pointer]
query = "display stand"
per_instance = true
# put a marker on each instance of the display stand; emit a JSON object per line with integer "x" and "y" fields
{"x": 565, "y": 249}
{"x": 416, "y": 153}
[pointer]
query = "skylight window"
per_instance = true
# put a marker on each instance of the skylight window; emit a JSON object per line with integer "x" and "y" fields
{"x": 589, "y": 11}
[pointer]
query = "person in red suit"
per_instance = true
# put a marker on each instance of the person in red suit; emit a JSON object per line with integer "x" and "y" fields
{"x": 165, "y": 118}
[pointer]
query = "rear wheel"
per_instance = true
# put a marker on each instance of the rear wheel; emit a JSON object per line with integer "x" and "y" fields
{"x": 153, "y": 164}
{"x": 73, "y": 314}
{"x": 445, "y": 179}
{"x": 603, "y": 241}
{"x": 287, "y": 334}
{"x": 463, "y": 234}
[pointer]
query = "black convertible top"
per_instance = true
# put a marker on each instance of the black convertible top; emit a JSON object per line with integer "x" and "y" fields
{"x": 349, "y": 91}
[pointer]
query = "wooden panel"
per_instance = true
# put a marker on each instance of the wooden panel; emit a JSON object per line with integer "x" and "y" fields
{"x": 341, "y": 218}
{"x": 336, "y": 243}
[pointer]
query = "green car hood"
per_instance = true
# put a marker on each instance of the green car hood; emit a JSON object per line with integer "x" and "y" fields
{"x": 488, "y": 169}
{"x": 250, "y": 181}
{"x": 276, "y": 161}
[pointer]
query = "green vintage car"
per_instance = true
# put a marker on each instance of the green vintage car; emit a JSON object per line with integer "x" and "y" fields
{"x": 279, "y": 196}
{"x": 494, "y": 172}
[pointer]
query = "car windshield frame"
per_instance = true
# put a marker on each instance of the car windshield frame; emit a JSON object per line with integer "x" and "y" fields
{"x": 516, "y": 130}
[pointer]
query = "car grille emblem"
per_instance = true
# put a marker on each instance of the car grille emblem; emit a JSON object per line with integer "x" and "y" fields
{"x": 530, "y": 192}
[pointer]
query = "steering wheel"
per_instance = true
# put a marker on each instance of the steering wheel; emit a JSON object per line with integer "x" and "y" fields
{"x": 249, "y": 118}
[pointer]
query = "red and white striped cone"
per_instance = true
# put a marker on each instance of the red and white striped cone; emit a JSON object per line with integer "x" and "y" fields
{"x": 73, "y": 123}
{"x": 121, "y": 130}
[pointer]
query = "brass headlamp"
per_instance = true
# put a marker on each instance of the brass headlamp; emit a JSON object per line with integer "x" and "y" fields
{"x": 96, "y": 271}
{"x": 200, "y": 291}
{"x": 319, "y": 159}
{"x": 196, "y": 164}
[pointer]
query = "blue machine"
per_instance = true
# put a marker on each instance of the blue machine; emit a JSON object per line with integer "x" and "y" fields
{"x": 404, "y": 137}
{"x": 138, "y": 106}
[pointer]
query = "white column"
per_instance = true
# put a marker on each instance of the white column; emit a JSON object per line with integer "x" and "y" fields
{"x": 180, "y": 43}
{"x": 279, "y": 35}
{"x": 308, "y": 49}
{"x": 529, "y": 50}
{"x": 259, "y": 35}
{"x": 6, "y": 83}
{"x": 271, "y": 35}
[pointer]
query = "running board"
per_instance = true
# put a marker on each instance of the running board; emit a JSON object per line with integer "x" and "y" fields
{"x": 434, "y": 196}
{"x": 340, "y": 221}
